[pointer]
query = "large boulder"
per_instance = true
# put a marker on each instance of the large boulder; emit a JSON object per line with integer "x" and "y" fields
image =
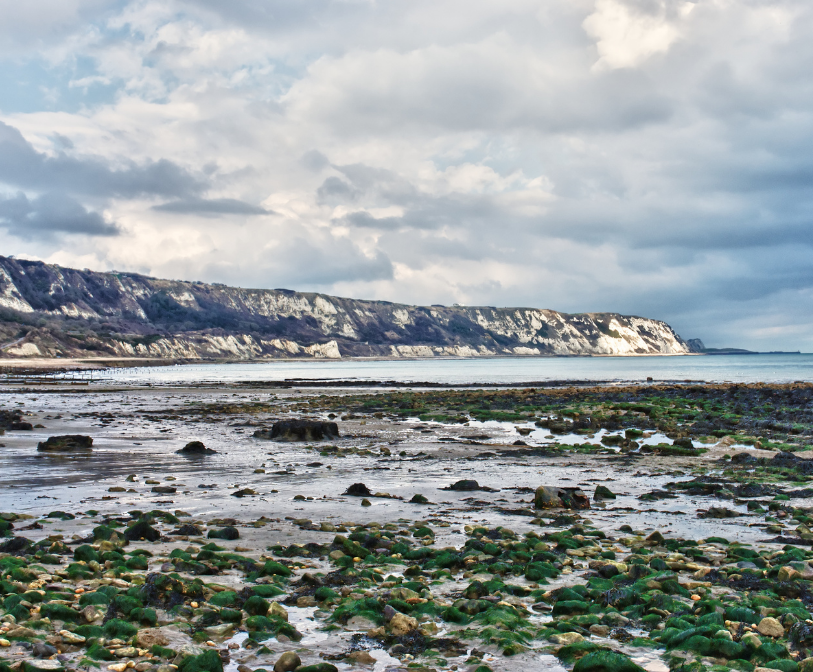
{"x": 554, "y": 497}
{"x": 300, "y": 430}
{"x": 66, "y": 442}
{"x": 196, "y": 448}
{"x": 468, "y": 486}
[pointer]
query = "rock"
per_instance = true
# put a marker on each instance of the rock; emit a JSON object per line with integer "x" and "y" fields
{"x": 126, "y": 652}
{"x": 770, "y": 627}
{"x": 196, "y": 448}
{"x": 362, "y": 658}
{"x": 752, "y": 639}
{"x": 223, "y": 630}
{"x": 150, "y": 637}
{"x": 43, "y": 650}
{"x": 358, "y": 490}
{"x": 600, "y": 630}
{"x": 806, "y": 665}
{"x": 90, "y": 613}
{"x": 306, "y": 601}
{"x": 464, "y": 486}
{"x": 788, "y": 574}
{"x": 15, "y": 546}
{"x": 228, "y": 533}
{"x": 300, "y": 430}
{"x": 287, "y": 662}
{"x": 141, "y": 530}
{"x": 566, "y": 638}
{"x": 603, "y": 492}
{"x": 245, "y": 492}
{"x": 164, "y": 490}
{"x": 550, "y": 497}
{"x": 327, "y": 527}
{"x": 21, "y": 426}
{"x": 42, "y": 666}
{"x": 401, "y": 624}
{"x": 66, "y": 442}
{"x": 188, "y": 530}
{"x": 359, "y": 623}
{"x": 366, "y": 502}
{"x": 276, "y": 609}
{"x": 71, "y": 637}
{"x": 419, "y": 499}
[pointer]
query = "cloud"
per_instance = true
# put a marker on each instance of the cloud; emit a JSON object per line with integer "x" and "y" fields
{"x": 22, "y": 166}
{"x": 647, "y": 156}
{"x": 51, "y": 213}
{"x": 212, "y": 207}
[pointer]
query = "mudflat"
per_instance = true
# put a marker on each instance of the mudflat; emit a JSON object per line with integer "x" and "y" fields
{"x": 590, "y": 527}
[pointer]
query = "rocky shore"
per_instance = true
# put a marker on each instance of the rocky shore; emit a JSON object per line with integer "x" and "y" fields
{"x": 244, "y": 528}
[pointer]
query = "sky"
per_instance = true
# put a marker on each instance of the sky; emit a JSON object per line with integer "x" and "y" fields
{"x": 650, "y": 157}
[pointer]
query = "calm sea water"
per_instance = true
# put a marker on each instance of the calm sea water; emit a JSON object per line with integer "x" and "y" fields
{"x": 733, "y": 368}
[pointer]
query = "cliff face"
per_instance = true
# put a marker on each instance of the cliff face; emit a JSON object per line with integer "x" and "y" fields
{"x": 48, "y": 310}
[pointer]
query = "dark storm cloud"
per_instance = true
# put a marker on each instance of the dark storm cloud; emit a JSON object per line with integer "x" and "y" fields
{"x": 22, "y": 166}
{"x": 213, "y": 207}
{"x": 51, "y": 213}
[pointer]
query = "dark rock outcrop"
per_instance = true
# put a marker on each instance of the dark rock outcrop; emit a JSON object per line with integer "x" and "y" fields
{"x": 196, "y": 448}
{"x": 554, "y": 497}
{"x": 300, "y": 430}
{"x": 66, "y": 442}
{"x": 358, "y": 490}
{"x": 468, "y": 486}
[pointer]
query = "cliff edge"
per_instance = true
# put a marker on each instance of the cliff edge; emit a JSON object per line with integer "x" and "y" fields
{"x": 52, "y": 311}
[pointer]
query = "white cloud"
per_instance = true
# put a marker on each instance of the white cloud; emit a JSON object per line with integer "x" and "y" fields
{"x": 628, "y": 32}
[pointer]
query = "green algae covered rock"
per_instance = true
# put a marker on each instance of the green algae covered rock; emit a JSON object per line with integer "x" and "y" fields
{"x": 319, "y": 667}
{"x": 228, "y": 533}
{"x": 208, "y": 661}
{"x": 606, "y": 661}
{"x": 225, "y": 598}
{"x": 256, "y": 606}
{"x": 272, "y": 568}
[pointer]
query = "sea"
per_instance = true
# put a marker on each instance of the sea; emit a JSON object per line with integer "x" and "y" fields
{"x": 766, "y": 368}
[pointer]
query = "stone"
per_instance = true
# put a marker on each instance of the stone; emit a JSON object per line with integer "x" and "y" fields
{"x": 358, "y": 490}
{"x": 306, "y": 601}
{"x": 149, "y": 637}
{"x": 788, "y": 574}
{"x": 90, "y": 613}
{"x": 287, "y": 662}
{"x": 554, "y": 497}
{"x": 362, "y": 658}
{"x": 356, "y": 623}
{"x": 142, "y": 530}
{"x": 71, "y": 637}
{"x": 401, "y": 624}
{"x": 126, "y": 652}
{"x": 603, "y": 492}
{"x": 600, "y": 630}
{"x": 196, "y": 448}
{"x": 67, "y": 442}
{"x": 566, "y": 638}
{"x": 43, "y": 650}
{"x": 300, "y": 430}
{"x": 276, "y": 609}
{"x": 751, "y": 639}
{"x": 770, "y": 627}
{"x": 806, "y": 665}
{"x": 45, "y": 665}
